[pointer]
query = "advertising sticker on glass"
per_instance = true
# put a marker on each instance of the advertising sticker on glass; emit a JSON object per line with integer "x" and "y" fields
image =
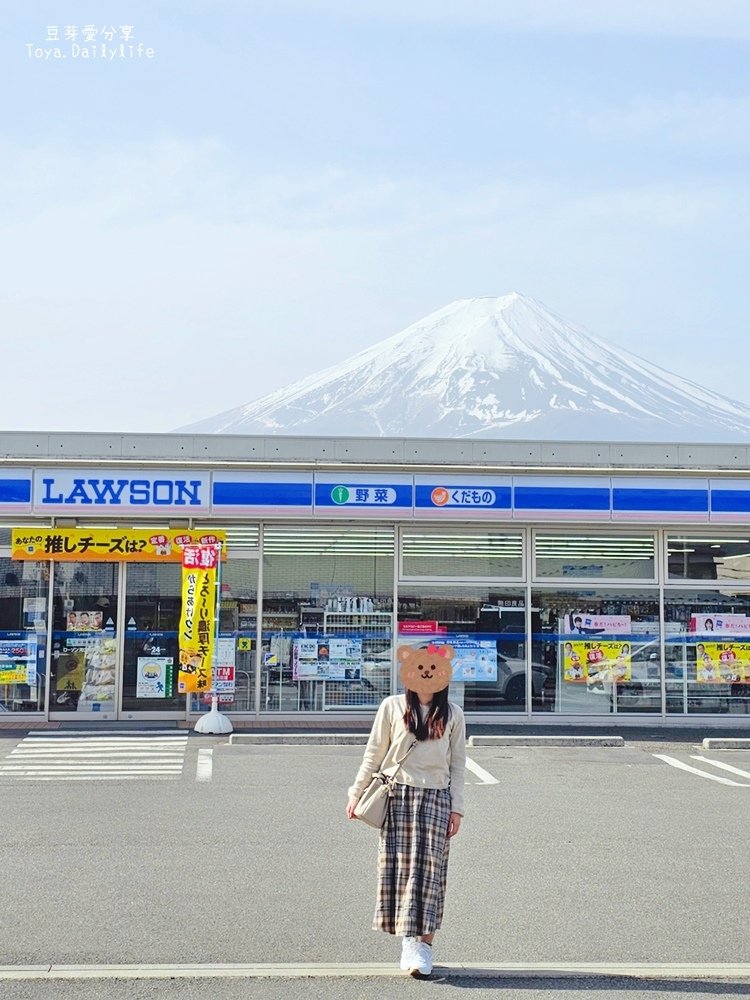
{"x": 722, "y": 662}
{"x": 327, "y": 659}
{"x": 154, "y": 677}
{"x": 474, "y": 660}
{"x": 18, "y": 660}
{"x": 584, "y": 662}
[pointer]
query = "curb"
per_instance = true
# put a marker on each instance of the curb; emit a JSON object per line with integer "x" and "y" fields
{"x": 448, "y": 970}
{"x": 360, "y": 739}
{"x": 725, "y": 744}
{"x": 547, "y": 741}
{"x": 299, "y": 739}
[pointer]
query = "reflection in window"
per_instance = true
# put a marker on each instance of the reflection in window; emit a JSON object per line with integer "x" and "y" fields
{"x": 601, "y": 650}
{"x": 708, "y": 558}
{"x": 23, "y": 635}
{"x": 327, "y": 617}
{"x": 624, "y": 557}
{"x": 707, "y": 635}
{"x": 487, "y": 629}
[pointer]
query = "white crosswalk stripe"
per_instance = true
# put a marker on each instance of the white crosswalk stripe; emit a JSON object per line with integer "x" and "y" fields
{"x": 86, "y": 756}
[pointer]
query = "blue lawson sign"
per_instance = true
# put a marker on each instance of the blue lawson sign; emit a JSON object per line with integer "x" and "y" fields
{"x": 262, "y": 493}
{"x": 135, "y": 491}
{"x": 15, "y": 491}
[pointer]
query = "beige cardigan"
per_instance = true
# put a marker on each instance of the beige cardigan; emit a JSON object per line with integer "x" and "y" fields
{"x": 431, "y": 764}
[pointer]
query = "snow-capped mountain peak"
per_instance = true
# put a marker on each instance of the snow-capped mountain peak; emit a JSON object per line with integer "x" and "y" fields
{"x": 496, "y": 367}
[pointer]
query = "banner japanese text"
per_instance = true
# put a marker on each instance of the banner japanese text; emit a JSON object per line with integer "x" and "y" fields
{"x": 109, "y": 544}
{"x": 198, "y": 620}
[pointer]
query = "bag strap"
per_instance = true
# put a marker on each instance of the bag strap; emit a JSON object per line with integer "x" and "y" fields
{"x": 392, "y": 771}
{"x": 409, "y": 750}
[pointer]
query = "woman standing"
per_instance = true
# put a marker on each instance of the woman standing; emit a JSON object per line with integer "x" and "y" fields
{"x": 429, "y": 733}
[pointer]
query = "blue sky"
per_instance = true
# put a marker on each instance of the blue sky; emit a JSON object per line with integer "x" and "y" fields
{"x": 288, "y": 181}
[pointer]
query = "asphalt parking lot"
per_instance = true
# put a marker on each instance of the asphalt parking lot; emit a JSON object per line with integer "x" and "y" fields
{"x": 243, "y": 854}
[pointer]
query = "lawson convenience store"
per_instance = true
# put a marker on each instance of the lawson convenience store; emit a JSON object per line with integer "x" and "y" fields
{"x": 574, "y": 581}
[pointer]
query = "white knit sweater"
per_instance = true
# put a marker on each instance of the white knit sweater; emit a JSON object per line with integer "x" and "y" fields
{"x": 431, "y": 764}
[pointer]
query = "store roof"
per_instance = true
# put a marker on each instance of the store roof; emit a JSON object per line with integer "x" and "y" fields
{"x": 279, "y": 451}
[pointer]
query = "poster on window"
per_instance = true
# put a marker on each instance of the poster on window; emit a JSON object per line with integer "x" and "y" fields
{"x": 474, "y": 660}
{"x": 719, "y": 624}
{"x": 98, "y": 689}
{"x": 84, "y": 621}
{"x": 596, "y": 661}
{"x": 722, "y": 662}
{"x": 70, "y": 670}
{"x": 327, "y": 659}
{"x": 154, "y": 677}
{"x": 581, "y": 623}
{"x": 18, "y": 660}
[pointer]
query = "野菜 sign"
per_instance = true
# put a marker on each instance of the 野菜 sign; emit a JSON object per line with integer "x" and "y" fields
{"x": 108, "y": 544}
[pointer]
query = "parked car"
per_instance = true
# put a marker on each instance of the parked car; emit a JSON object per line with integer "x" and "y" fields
{"x": 510, "y": 686}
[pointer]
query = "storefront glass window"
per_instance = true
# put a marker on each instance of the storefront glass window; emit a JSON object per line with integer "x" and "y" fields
{"x": 469, "y": 554}
{"x": 707, "y": 651}
{"x": 83, "y": 675}
{"x": 721, "y": 557}
{"x": 327, "y": 617}
{"x": 618, "y": 557}
{"x": 486, "y": 626}
{"x": 238, "y": 637}
{"x": 23, "y": 635}
{"x": 600, "y": 651}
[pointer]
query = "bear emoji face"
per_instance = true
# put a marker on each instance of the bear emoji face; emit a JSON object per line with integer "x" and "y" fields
{"x": 426, "y": 671}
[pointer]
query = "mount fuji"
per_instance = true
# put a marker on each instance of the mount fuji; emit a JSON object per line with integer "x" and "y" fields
{"x": 498, "y": 368}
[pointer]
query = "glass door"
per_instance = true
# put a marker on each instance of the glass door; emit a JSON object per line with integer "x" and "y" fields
{"x": 83, "y": 661}
{"x": 153, "y": 599}
{"x": 24, "y": 590}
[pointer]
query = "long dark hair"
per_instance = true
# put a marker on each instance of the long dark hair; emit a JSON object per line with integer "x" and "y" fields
{"x": 433, "y": 727}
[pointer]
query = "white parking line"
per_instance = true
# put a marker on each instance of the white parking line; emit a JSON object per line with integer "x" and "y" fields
{"x": 695, "y": 770}
{"x": 205, "y": 765}
{"x": 722, "y": 765}
{"x": 485, "y": 777}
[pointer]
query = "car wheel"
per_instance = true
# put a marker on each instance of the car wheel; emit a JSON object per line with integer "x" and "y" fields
{"x": 515, "y": 692}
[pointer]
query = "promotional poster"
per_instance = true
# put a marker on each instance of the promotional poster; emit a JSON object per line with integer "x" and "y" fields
{"x": 585, "y": 662}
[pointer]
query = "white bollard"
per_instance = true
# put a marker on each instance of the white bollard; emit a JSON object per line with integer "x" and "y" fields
{"x": 213, "y": 722}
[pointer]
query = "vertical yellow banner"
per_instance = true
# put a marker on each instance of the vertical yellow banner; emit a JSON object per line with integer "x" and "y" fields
{"x": 198, "y": 621}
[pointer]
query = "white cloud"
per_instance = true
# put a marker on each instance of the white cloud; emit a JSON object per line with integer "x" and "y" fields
{"x": 696, "y": 18}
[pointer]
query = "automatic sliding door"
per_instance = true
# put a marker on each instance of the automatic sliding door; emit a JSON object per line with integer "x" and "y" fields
{"x": 150, "y": 647}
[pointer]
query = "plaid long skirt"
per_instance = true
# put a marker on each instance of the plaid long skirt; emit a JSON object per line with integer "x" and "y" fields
{"x": 413, "y": 861}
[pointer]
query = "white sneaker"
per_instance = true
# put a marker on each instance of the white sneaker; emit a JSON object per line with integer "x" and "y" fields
{"x": 409, "y": 954}
{"x": 424, "y": 958}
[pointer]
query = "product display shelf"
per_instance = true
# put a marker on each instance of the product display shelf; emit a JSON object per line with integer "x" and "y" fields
{"x": 376, "y": 629}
